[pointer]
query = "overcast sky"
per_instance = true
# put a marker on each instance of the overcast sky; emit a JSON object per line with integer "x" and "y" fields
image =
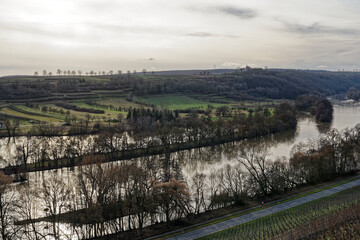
{"x": 188, "y": 34}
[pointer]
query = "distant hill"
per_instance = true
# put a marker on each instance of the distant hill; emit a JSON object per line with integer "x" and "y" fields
{"x": 195, "y": 71}
{"x": 239, "y": 84}
{"x": 254, "y": 84}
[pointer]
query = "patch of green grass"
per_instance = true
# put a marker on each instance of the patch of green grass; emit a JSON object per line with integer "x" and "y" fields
{"x": 178, "y": 102}
{"x": 15, "y": 113}
{"x": 109, "y": 113}
{"x": 119, "y": 102}
{"x": 38, "y": 112}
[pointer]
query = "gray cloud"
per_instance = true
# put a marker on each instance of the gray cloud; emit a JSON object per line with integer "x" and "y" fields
{"x": 151, "y": 59}
{"x": 200, "y": 34}
{"x": 243, "y": 13}
{"x": 316, "y": 28}
{"x": 208, "y": 34}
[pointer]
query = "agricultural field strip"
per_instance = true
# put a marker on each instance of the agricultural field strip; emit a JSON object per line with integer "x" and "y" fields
{"x": 33, "y": 112}
{"x": 12, "y": 112}
{"x": 265, "y": 212}
{"x": 178, "y": 102}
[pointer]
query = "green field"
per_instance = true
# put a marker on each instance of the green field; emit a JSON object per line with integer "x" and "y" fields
{"x": 177, "y": 102}
{"x": 279, "y": 223}
{"x": 110, "y": 101}
{"x": 30, "y": 116}
{"x": 118, "y": 102}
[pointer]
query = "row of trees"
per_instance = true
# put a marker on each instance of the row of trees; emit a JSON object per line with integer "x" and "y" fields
{"x": 60, "y": 72}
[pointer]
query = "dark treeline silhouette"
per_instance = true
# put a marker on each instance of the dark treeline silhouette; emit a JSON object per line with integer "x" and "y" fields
{"x": 252, "y": 84}
{"x": 155, "y": 115}
{"x": 320, "y": 107}
{"x": 353, "y": 93}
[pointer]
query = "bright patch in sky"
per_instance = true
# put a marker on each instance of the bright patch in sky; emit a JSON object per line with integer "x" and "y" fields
{"x": 158, "y": 34}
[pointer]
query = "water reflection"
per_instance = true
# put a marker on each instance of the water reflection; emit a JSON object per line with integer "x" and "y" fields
{"x": 208, "y": 159}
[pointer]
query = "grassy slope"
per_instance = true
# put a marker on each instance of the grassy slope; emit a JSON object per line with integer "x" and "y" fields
{"x": 173, "y": 102}
{"x": 118, "y": 102}
{"x": 12, "y": 112}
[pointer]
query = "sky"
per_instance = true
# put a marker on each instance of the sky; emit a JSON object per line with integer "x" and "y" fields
{"x": 103, "y": 35}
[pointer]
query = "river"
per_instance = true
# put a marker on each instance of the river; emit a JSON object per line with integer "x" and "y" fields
{"x": 209, "y": 159}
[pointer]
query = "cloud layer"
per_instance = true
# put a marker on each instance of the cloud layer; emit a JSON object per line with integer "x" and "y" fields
{"x": 131, "y": 34}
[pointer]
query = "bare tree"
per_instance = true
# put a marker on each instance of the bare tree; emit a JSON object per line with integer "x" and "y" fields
{"x": 253, "y": 157}
{"x": 7, "y": 207}
{"x": 138, "y": 195}
{"x": 44, "y": 72}
{"x": 27, "y": 207}
{"x": 199, "y": 187}
{"x": 173, "y": 198}
{"x": 55, "y": 198}
{"x": 11, "y": 127}
{"x": 95, "y": 188}
{"x": 233, "y": 182}
{"x": 79, "y": 72}
{"x": 24, "y": 151}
